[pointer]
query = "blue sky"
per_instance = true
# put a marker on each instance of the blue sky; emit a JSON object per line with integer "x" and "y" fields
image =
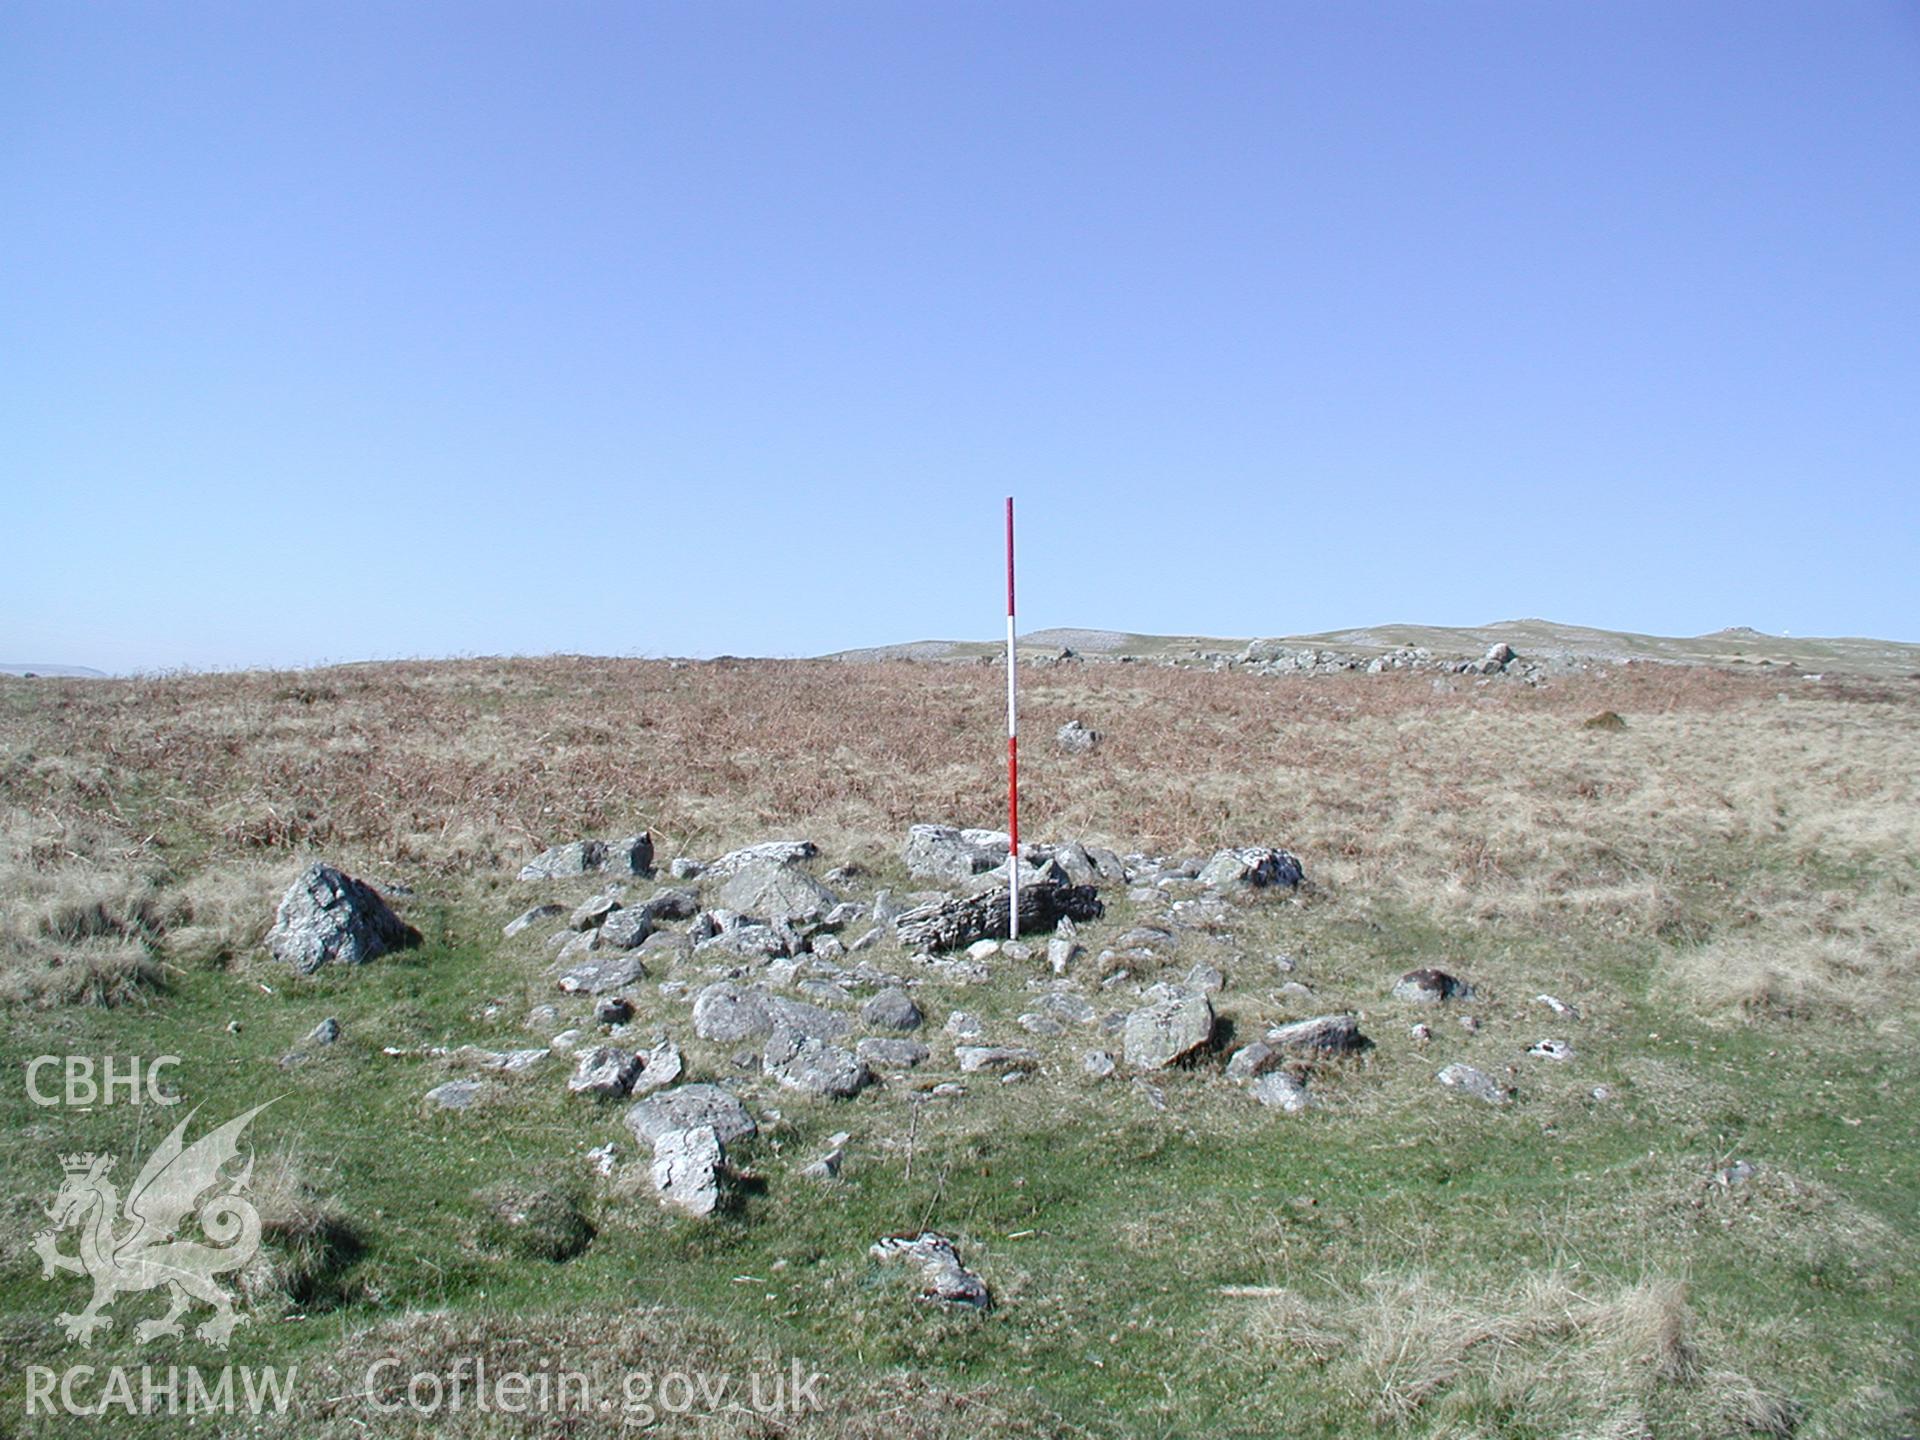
{"x": 338, "y": 330}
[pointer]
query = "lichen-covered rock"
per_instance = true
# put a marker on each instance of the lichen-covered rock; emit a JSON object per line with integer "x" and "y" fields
{"x": 1177, "y": 1023}
{"x": 559, "y": 862}
{"x": 687, "y": 1106}
{"x": 631, "y": 855}
{"x": 1281, "y": 1091}
{"x": 686, "y": 1168}
{"x": 1323, "y": 1035}
{"x": 1252, "y": 866}
{"x": 1469, "y": 1081}
{"x": 529, "y": 918}
{"x": 891, "y": 1054}
{"x": 605, "y": 1072}
{"x": 726, "y": 1011}
{"x": 892, "y": 1009}
{"x": 801, "y": 1062}
{"x": 599, "y": 972}
{"x": 776, "y": 892}
{"x": 994, "y": 1059}
{"x": 944, "y": 1278}
{"x": 1075, "y": 738}
{"x": 327, "y": 916}
{"x": 768, "y": 852}
{"x": 951, "y": 856}
{"x": 1428, "y": 986}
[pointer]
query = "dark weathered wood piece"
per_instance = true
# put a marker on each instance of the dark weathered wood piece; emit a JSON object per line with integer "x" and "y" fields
{"x": 951, "y": 924}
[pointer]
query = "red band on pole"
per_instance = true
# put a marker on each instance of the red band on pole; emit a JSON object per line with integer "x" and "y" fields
{"x": 1013, "y": 791}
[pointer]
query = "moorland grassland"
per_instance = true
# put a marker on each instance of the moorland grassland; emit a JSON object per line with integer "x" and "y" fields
{"x": 1726, "y": 886}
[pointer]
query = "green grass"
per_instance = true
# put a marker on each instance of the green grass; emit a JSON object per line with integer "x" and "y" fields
{"x": 1107, "y": 1228}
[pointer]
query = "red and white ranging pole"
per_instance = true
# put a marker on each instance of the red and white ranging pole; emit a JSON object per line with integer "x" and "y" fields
{"x": 1013, "y": 752}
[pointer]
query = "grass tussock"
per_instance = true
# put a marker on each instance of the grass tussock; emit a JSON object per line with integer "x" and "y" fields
{"x": 1553, "y": 1355}
{"x": 81, "y": 912}
{"x": 309, "y": 1242}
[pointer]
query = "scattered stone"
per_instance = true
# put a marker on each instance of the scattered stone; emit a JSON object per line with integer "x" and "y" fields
{"x": 456, "y": 1094}
{"x": 1421, "y": 1033}
{"x": 602, "y": 1158}
{"x": 328, "y": 916}
{"x": 564, "y": 1041}
{"x": 1016, "y": 950}
{"x": 993, "y": 1059}
{"x": 591, "y": 912}
{"x": 1177, "y": 1023}
{"x": 685, "y": 868}
{"x": 769, "y": 852}
{"x": 1557, "y": 1006}
{"x": 892, "y": 1009}
{"x": 726, "y": 1010}
{"x": 1075, "y": 738}
{"x": 669, "y": 903}
{"x": 507, "y": 1062}
{"x": 687, "y": 1106}
{"x": 944, "y": 1278}
{"x": 660, "y": 1065}
{"x": 686, "y": 1168}
{"x": 1061, "y": 953}
{"x": 964, "y": 1024}
{"x": 581, "y": 857}
{"x": 630, "y": 855}
{"x": 777, "y": 892}
{"x": 1098, "y": 1063}
{"x": 1429, "y": 987}
{"x": 1324, "y": 1034}
{"x": 1551, "y": 1050}
{"x": 574, "y": 948}
{"x": 1469, "y": 1024}
{"x": 529, "y": 918}
{"x": 827, "y": 1167}
{"x": 1738, "y": 1173}
{"x": 1065, "y": 1004}
{"x": 605, "y": 1072}
{"x": 1253, "y": 866}
{"x": 1601, "y": 1093}
{"x": 890, "y": 1054}
{"x": 983, "y": 949}
{"x": 1205, "y": 978}
{"x": 326, "y": 1032}
{"x": 801, "y": 1062}
{"x": 1036, "y": 1024}
{"x": 624, "y": 929}
{"x": 1281, "y": 1091}
{"x": 950, "y": 856}
{"x": 602, "y": 971}
{"x": 1250, "y": 1062}
{"x": 1148, "y": 938}
{"x": 1470, "y": 1081}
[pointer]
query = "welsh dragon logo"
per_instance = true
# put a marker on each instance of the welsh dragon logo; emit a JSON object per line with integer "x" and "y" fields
{"x": 132, "y": 1247}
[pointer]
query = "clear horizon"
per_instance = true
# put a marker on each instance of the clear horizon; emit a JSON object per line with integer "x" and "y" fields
{"x": 354, "y": 333}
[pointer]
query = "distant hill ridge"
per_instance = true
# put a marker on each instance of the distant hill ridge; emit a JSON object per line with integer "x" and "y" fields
{"x": 1737, "y": 646}
{"x": 61, "y": 672}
